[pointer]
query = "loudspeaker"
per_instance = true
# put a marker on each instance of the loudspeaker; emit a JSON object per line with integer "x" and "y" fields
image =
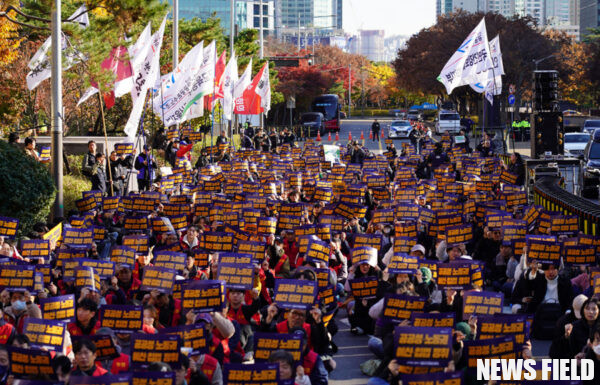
{"x": 545, "y": 91}
{"x": 547, "y": 134}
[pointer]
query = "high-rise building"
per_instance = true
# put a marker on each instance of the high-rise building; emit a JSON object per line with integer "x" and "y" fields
{"x": 322, "y": 14}
{"x": 246, "y": 12}
{"x": 533, "y": 8}
{"x": 589, "y": 15}
{"x": 369, "y": 43}
{"x": 557, "y": 12}
{"x": 503, "y": 7}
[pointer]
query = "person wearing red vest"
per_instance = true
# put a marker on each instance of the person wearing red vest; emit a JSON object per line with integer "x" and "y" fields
{"x": 86, "y": 322}
{"x": 85, "y": 360}
{"x": 291, "y": 248}
{"x": 120, "y": 364}
{"x": 243, "y": 314}
{"x": 311, "y": 361}
{"x": 210, "y": 367}
{"x": 315, "y": 330}
{"x": 127, "y": 282}
{"x": 7, "y": 331}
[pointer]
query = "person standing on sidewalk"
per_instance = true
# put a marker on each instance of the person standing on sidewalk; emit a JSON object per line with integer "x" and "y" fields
{"x": 375, "y": 127}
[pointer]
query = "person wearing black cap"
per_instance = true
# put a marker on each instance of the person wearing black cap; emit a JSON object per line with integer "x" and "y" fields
{"x": 145, "y": 165}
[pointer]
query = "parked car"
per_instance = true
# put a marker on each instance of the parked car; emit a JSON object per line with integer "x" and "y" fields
{"x": 575, "y": 143}
{"x": 414, "y": 115}
{"x": 447, "y": 122}
{"x": 591, "y": 168}
{"x": 312, "y": 122}
{"x": 399, "y": 129}
{"x": 590, "y": 125}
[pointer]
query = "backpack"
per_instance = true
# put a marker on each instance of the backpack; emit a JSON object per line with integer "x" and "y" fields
{"x": 544, "y": 320}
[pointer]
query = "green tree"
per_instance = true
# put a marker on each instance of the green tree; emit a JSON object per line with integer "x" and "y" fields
{"x": 26, "y": 188}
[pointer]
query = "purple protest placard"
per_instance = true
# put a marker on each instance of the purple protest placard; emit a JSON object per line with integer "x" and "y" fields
{"x": 107, "y": 379}
{"x": 482, "y": 303}
{"x": 255, "y": 374}
{"x": 498, "y": 348}
{"x": 203, "y": 296}
{"x": 17, "y": 278}
{"x": 153, "y": 378}
{"x": 267, "y": 343}
{"x": 423, "y": 346}
{"x": 295, "y": 293}
{"x": 8, "y": 227}
{"x": 45, "y": 334}
{"x": 60, "y": 308}
{"x": 436, "y": 320}
{"x": 236, "y": 275}
{"x": 364, "y": 288}
{"x": 193, "y": 337}
{"x": 158, "y": 278}
{"x": 122, "y": 318}
{"x": 35, "y": 248}
{"x": 147, "y": 348}
{"x": 450, "y": 378}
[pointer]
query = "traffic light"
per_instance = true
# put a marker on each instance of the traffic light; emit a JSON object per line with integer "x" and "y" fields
{"x": 547, "y": 134}
{"x": 545, "y": 91}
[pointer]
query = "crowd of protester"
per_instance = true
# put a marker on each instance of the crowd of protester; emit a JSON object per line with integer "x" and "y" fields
{"x": 269, "y": 173}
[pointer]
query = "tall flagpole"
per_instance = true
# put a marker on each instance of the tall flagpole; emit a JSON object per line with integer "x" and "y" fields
{"x": 231, "y": 53}
{"x": 262, "y": 52}
{"x": 175, "y": 38}
{"x": 57, "y": 108}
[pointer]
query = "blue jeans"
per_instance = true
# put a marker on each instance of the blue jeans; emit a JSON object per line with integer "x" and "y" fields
{"x": 377, "y": 381}
{"x": 376, "y": 347}
{"x": 106, "y": 244}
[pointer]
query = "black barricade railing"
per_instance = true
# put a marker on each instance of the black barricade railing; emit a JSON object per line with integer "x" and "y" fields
{"x": 552, "y": 197}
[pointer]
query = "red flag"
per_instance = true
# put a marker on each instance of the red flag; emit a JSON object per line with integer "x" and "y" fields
{"x": 249, "y": 103}
{"x": 119, "y": 65}
{"x": 219, "y": 71}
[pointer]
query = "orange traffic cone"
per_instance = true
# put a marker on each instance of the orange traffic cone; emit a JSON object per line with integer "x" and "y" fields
{"x": 362, "y": 135}
{"x": 349, "y": 137}
{"x": 370, "y": 135}
{"x": 318, "y": 136}
{"x": 382, "y": 135}
{"x": 329, "y": 137}
{"x": 337, "y": 136}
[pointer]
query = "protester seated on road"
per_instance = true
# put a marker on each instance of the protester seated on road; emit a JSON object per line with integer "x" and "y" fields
{"x": 576, "y": 335}
{"x": 554, "y": 288}
{"x": 557, "y": 349}
{"x": 358, "y": 309}
{"x": 85, "y": 359}
{"x": 286, "y": 368}
{"x": 592, "y": 352}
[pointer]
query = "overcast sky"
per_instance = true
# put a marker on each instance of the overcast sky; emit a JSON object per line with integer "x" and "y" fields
{"x": 396, "y": 17}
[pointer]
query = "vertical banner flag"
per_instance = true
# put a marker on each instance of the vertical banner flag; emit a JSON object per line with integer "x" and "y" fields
{"x": 39, "y": 64}
{"x": 263, "y": 88}
{"x": 143, "y": 80}
{"x": 470, "y": 62}
{"x": 228, "y": 81}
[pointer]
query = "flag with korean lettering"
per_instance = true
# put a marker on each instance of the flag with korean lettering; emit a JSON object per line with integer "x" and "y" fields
{"x": 470, "y": 62}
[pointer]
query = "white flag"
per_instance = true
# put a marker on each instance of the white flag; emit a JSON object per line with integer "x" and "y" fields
{"x": 263, "y": 89}
{"x": 470, "y": 62}
{"x": 39, "y": 64}
{"x": 144, "y": 79}
{"x": 229, "y": 79}
{"x": 193, "y": 79}
{"x": 244, "y": 81}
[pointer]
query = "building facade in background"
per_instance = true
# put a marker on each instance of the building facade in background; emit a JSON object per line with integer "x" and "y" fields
{"x": 246, "y": 13}
{"x": 589, "y": 16}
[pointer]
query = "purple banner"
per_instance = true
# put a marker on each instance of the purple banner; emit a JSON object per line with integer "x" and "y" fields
{"x": 295, "y": 293}
{"x": 423, "y": 346}
{"x": 203, "y": 296}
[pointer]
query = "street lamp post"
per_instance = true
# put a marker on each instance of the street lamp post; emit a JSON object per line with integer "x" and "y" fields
{"x": 56, "y": 108}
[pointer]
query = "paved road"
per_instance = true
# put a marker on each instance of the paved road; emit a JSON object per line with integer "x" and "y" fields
{"x": 356, "y": 127}
{"x": 353, "y": 349}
